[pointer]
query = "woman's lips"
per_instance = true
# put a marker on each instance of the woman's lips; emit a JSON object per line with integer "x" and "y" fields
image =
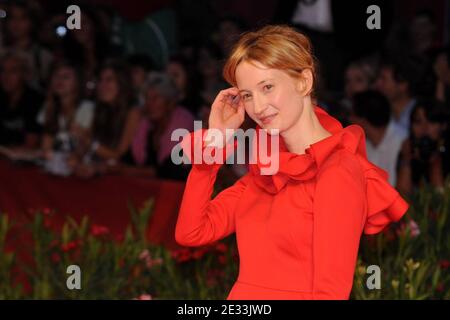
{"x": 267, "y": 119}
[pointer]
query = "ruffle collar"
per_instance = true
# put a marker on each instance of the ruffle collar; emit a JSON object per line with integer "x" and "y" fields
{"x": 384, "y": 203}
{"x": 305, "y": 166}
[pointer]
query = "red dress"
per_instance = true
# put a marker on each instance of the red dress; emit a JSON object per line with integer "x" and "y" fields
{"x": 298, "y": 230}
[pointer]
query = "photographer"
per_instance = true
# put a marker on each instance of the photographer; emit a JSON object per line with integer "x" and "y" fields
{"x": 423, "y": 155}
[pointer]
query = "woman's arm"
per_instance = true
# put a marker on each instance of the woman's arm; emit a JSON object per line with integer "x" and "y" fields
{"x": 128, "y": 133}
{"x": 202, "y": 220}
{"x": 339, "y": 208}
{"x": 47, "y": 143}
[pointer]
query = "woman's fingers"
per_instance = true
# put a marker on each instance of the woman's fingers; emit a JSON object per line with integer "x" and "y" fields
{"x": 228, "y": 110}
{"x": 227, "y": 96}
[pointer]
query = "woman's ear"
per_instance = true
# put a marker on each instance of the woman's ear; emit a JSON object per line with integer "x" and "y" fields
{"x": 305, "y": 82}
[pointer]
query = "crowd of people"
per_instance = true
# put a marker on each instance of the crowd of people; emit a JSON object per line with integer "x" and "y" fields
{"x": 89, "y": 108}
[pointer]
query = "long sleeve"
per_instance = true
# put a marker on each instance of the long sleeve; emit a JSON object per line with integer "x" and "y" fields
{"x": 200, "y": 219}
{"x": 339, "y": 212}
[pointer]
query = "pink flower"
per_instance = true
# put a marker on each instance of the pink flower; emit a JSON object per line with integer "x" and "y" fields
{"x": 144, "y": 255}
{"x": 149, "y": 261}
{"x": 412, "y": 226}
{"x": 98, "y": 230}
{"x": 69, "y": 246}
{"x": 153, "y": 262}
{"x": 144, "y": 297}
{"x": 415, "y": 230}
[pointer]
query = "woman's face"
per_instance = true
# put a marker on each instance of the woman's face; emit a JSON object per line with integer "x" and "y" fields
{"x": 270, "y": 96}
{"x": 138, "y": 75}
{"x": 157, "y": 106}
{"x": 108, "y": 87}
{"x": 64, "y": 81}
{"x": 355, "y": 81}
{"x": 178, "y": 75}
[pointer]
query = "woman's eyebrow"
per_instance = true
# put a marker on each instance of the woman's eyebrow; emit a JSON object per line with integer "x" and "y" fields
{"x": 259, "y": 83}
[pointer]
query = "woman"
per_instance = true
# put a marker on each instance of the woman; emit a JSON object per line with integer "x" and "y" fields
{"x": 88, "y": 47}
{"x": 298, "y": 230}
{"x": 441, "y": 67}
{"x": 186, "y": 79}
{"x": 152, "y": 144}
{"x": 19, "y": 104}
{"x": 65, "y": 117}
{"x": 359, "y": 77}
{"x": 424, "y": 155}
{"x": 22, "y": 26}
{"x": 115, "y": 121}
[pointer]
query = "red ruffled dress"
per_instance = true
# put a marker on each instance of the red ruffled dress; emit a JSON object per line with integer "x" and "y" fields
{"x": 297, "y": 231}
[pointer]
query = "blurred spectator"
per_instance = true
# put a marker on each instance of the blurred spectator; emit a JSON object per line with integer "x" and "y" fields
{"x": 19, "y": 103}
{"x": 397, "y": 81}
{"x": 441, "y": 68}
{"x": 152, "y": 145}
{"x": 66, "y": 118}
{"x": 115, "y": 120}
{"x": 187, "y": 81}
{"x": 423, "y": 32}
{"x": 424, "y": 155}
{"x": 384, "y": 137}
{"x": 210, "y": 68}
{"x": 141, "y": 65}
{"x": 86, "y": 47}
{"x": 359, "y": 77}
{"x": 22, "y": 24}
{"x": 229, "y": 30}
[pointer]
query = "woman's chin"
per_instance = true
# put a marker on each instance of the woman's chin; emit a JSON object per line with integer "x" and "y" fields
{"x": 271, "y": 128}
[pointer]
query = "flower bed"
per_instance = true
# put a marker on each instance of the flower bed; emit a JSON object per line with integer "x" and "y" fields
{"x": 412, "y": 256}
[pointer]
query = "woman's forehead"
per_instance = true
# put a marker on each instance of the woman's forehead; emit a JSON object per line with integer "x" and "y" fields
{"x": 251, "y": 74}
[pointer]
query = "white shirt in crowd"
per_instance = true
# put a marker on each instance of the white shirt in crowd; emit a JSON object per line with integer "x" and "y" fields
{"x": 84, "y": 115}
{"x": 316, "y": 15}
{"x": 385, "y": 154}
{"x": 83, "y": 118}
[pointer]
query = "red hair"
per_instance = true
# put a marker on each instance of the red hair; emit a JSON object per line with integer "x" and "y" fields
{"x": 275, "y": 46}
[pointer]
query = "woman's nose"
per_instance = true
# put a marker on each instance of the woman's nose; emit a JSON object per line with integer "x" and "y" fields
{"x": 260, "y": 106}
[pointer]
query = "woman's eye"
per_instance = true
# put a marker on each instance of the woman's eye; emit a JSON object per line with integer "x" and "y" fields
{"x": 267, "y": 87}
{"x": 245, "y": 96}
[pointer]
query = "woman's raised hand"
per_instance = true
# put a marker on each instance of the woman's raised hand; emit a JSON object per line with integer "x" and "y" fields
{"x": 227, "y": 110}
